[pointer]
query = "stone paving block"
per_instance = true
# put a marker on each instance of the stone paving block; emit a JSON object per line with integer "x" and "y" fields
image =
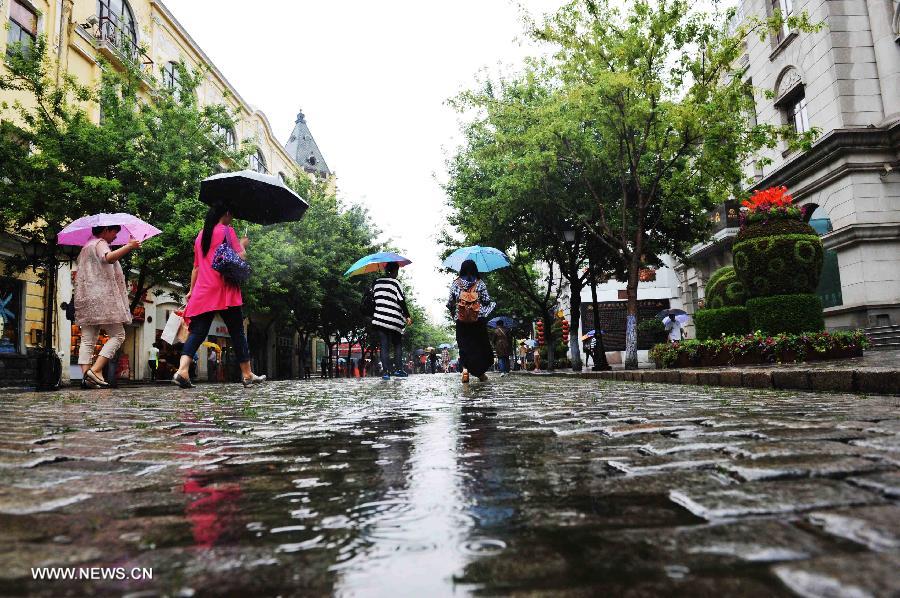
{"x": 757, "y": 379}
{"x": 770, "y": 468}
{"x": 689, "y": 378}
{"x": 672, "y": 377}
{"x": 888, "y": 483}
{"x": 791, "y": 379}
{"x": 731, "y": 378}
{"x": 823, "y": 379}
{"x": 769, "y": 498}
{"x": 751, "y": 541}
{"x": 878, "y": 382}
{"x": 799, "y": 448}
{"x": 877, "y": 528}
{"x": 860, "y": 575}
{"x": 708, "y": 378}
{"x": 654, "y": 376}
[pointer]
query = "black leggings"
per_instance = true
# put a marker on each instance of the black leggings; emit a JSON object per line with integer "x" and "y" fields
{"x": 199, "y": 330}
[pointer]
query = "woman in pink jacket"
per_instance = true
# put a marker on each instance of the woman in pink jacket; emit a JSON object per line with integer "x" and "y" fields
{"x": 209, "y": 295}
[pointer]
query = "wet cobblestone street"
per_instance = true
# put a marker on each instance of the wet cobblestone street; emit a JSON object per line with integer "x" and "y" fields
{"x": 420, "y": 487}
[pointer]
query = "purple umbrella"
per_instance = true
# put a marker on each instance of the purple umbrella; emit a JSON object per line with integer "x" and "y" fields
{"x": 79, "y": 232}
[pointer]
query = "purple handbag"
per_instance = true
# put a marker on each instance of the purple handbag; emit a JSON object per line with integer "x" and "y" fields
{"x": 233, "y": 268}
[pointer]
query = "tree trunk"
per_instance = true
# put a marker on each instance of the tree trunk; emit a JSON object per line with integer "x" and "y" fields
{"x": 575, "y": 320}
{"x": 631, "y": 356}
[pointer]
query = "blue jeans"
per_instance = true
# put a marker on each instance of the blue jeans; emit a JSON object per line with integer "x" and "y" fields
{"x": 503, "y": 363}
{"x": 199, "y": 330}
{"x": 390, "y": 338}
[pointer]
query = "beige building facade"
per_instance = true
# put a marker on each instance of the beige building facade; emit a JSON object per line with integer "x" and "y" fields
{"x": 81, "y": 35}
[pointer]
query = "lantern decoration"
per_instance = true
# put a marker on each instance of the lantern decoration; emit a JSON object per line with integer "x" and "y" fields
{"x": 565, "y": 332}
{"x": 539, "y": 325}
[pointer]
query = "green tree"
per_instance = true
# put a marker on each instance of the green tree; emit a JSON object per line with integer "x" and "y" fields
{"x": 643, "y": 110}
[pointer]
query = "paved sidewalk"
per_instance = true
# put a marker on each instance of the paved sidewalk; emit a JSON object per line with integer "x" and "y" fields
{"x": 524, "y": 485}
{"x": 876, "y": 372}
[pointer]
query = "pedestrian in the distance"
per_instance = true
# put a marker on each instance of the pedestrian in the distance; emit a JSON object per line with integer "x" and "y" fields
{"x": 445, "y": 359}
{"x": 209, "y": 295}
{"x": 469, "y": 305}
{"x": 101, "y": 301}
{"x": 523, "y": 356}
{"x": 390, "y": 320}
{"x": 153, "y": 360}
{"x": 432, "y": 361}
{"x": 502, "y": 346}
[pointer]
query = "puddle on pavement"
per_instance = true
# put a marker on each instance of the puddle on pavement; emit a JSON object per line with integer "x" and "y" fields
{"x": 416, "y": 487}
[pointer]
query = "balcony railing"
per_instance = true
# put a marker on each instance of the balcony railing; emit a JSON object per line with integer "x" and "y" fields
{"x": 119, "y": 44}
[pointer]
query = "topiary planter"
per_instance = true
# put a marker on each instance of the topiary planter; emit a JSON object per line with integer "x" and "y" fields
{"x": 724, "y": 289}
{"x": 792, "y": 314}
{"x": 780, "y": 257}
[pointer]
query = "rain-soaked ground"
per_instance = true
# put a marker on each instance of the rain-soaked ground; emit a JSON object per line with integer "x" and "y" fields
{"x": 417, "y": 487}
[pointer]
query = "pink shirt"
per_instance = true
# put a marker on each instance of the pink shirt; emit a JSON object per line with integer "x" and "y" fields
{"x": 211, "y": 293}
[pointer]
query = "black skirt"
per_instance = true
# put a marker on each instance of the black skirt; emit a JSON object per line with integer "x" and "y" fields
{"x": 475, "y": 351}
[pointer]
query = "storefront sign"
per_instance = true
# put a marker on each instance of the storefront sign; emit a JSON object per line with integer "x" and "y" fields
{"x": 727, "y": 215}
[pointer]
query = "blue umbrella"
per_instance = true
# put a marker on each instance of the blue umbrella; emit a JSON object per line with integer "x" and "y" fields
{"x": 486, "y": 258}
{"x": 375, "y": 262}
{"x": 507, "y": 322}
{"x": 445, "y": 346}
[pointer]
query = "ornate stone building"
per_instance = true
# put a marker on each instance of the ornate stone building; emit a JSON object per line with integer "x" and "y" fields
{"x": 843, "y": 81}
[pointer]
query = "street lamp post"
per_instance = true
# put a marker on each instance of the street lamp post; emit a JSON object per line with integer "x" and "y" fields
{"x": 569, "y": 237}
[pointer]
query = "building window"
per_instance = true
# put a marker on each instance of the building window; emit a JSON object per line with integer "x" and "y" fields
{"x": 170, "y": 78}
{"x": 786, "y": 8}
{"x": 258, "y": 163}
{"x": 10, "y": 315}
{"x": 22, "y": 31}
{"x": 796, "y": 112}
{"x": 226, "y": 135}
{"x": 116, "y": 26}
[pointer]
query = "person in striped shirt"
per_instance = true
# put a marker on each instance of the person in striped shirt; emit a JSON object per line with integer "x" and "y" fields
{"x": 390, "y": 319}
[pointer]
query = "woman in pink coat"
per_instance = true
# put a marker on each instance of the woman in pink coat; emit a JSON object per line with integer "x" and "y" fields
{"x": 209, "y": 295}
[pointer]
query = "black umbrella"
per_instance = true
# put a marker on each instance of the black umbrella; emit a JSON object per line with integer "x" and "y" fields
{"x": 253, "y": 196}
{"x": 671, "y": 313}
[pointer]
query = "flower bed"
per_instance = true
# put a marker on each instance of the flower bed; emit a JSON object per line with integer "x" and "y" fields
{"x": 758, "y": 348}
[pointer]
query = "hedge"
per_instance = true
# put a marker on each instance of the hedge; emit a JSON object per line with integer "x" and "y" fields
{"x": 727, "y": 321}
{"x": 786, "y": 313}
{"x": 724, "y": 289}
{"x": 775, "y": 227}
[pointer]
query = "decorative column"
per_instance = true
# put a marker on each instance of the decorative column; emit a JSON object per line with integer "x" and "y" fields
{"x": 884, "y": 21}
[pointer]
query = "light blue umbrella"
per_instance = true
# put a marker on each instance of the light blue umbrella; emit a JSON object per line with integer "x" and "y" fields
{"x": 375, "y": 262}
{"x": 445, "y": 346}
{"x": 486, "y": 258}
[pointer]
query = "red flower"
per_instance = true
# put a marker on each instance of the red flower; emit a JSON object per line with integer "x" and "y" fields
{"x": 773, "y": 197}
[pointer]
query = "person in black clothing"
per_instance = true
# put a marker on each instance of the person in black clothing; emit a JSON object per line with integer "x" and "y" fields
{"x": 475, "y": 352}
{"x": 323, "y": 367}
{"x": 432, "y": 361}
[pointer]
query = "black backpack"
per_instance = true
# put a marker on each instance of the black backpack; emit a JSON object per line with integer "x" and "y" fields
{"x": 368, "y": 302}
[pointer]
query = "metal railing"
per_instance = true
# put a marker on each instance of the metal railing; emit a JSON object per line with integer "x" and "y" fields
{"x": 121, "y": 42}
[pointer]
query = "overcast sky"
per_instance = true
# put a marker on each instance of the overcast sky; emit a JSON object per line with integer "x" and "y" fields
{"x": 373, "y": 79}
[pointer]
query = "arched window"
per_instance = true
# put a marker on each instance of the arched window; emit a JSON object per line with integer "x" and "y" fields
{"x": 258, "y": 162}
{"x": 116, "y": 17}
{"x": 282, "y": 177}
{"x": 226, "y": 135}
{"x": 790, "y": 98}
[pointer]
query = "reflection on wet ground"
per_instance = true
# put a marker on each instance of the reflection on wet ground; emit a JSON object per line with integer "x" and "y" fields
{"x": 419, "y": 487}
